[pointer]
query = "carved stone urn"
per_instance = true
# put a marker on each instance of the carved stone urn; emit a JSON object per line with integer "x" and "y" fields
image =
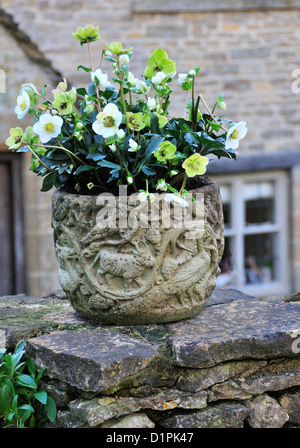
{"x": 137, "y": 274}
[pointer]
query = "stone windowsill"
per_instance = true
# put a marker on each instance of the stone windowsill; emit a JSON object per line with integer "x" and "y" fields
{"x": 176, "y": 6}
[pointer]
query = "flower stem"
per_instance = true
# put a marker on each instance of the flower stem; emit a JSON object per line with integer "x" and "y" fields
{"x": 210, "y": 113}
{"x": 183, "y": 184}
{"x": 194, "y": 113}
{"x": 39, "y": 159}
{"x": 121, "y": 76}
{"x": 91, "y": 65}
{"x": 120, "y": 160}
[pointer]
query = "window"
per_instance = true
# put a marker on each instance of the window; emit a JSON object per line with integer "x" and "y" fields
{"x": 255, "y": 258}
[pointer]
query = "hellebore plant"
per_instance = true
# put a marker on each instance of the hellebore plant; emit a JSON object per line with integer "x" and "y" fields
{"x": 118, "y": 132}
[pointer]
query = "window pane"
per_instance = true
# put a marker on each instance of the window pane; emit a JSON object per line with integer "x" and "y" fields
{"x": 259, "y": 202}
{"x": 226, "y": 201}
{"x": 260, "y": 258}
{"x": 226, "y": 278}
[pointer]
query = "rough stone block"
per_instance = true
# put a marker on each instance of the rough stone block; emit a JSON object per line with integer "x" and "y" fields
{"x": 290, "y": 401}
{"x": 96, "y": 359}
{"x": 140, "y": 420}
{"x": 237, "y": 330}
{"x": 265, "y": 412}
{"x": 225, "y": 415}
{"x": 98, "y": 410}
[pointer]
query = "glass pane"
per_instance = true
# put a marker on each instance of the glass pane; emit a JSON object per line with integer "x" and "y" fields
{"x": 226, "y": 277}
{"x": 259, "y": 202}
{"x": 226, "y": 201}
{"x": 260, "y": 259}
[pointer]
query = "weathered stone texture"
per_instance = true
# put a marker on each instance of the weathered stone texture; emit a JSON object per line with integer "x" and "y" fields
{"x": 225, "y": 415}
{"x": 290, "y": 401}
{"x": 122, "y": 377}
{"x": 97, "y": 359}
{"x": 236, "y": 330}
{"x": 265, "y": 412}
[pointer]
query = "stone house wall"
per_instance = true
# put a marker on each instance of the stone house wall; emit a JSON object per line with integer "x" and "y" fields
{"x": 248, "y": 53}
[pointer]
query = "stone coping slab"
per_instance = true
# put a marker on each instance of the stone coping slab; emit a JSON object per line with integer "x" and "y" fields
{"x": 236, "y": 330}
{"x": 91, "y": 359}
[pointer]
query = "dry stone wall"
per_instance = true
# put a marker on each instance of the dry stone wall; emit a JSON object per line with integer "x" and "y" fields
{"x": 234, "y": 365}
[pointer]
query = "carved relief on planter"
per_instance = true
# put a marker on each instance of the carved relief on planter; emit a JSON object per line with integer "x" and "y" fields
{"x": 132, "y": 275}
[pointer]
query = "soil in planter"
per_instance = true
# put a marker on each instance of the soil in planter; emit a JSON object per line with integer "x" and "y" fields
{"x": 69, "y": 187}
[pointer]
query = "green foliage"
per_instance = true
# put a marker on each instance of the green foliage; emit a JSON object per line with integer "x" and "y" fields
{"x": 22, "y": 403}
{"x": 86, "y": 144}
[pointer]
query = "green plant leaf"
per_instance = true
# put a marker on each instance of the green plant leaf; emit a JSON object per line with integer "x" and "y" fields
{"x": 4, "y": 399}
{"x": 51, "y": 409}
{"x": 41, "y": 396}
{"x": 83, "y": 67}
{"x": 25, "y": 411}
{"x": 148, "y": 171}
{"x": 49, "y": 181}
{"x": 216, "y": 127}
{"x": 26, "y": 380}
{"x": 31, "y": 367}
{"x": 107, "y": 164}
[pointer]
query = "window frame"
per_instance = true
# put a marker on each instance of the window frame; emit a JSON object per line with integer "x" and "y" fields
{"x": 280, "y": 227}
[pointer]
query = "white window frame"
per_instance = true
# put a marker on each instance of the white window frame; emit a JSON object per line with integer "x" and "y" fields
{"x": 238, "y": 230}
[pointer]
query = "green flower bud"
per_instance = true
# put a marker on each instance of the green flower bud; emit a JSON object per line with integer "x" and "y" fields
{"x": 88, "y": 34}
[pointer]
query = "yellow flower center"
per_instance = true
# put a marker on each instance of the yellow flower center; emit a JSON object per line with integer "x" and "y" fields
{"x": 49, "y": 127}
{"x": 23, "y": 105}
{"x": 108, "y": 121}
{"x": 235, "y": 134}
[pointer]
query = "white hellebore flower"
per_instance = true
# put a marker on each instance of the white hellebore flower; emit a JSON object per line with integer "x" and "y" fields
{"x": 151, "y": 103}
{"x": 131, "y": 79}
{"x": 158, "y": 78}
{"x": 133, "y": 146}
{"x": 23, "y": 105}
{"x": 144, "y": 195}
{"x": 181, "y": 78}
{"x": 142, "y": 87}
{"x": 161, "y": 185}
{"x": 102, "y": 78}
{"x": 124, "y": 59}
{"x": 235, "y": 134}
{"x": 171, "y": 197}
{"x": 48, "y": 127}
{"x": 120, "y": 134}
{"x": 108, "y": 121}
{"x": 113, "y": 147}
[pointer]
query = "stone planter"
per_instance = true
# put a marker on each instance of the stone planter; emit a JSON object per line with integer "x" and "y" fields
{"x": 138, "y": 275}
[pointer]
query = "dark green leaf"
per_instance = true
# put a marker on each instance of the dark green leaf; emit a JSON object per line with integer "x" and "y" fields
{"x": 26, "y": 380}
{"x": 154, "y": 124}
{"x": 148, "y": 171}
{"x": 82, "y": 168}
{"x": 51, "y": 409}
{"x": 4, "y": 399}
{"x": 25, "y": 411}
{"x": 96, "y": 156}
{"x": 83, "y": 67}
{"x": 107, "y": 164}
{"x": 49, "y": 181}
{"x": 81, "y": 91}
{"x": 41, "y": 396}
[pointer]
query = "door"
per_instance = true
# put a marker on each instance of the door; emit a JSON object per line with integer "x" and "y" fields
{"x": 12, "y": 269}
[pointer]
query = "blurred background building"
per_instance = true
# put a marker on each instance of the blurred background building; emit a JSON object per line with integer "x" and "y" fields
{"x": 249, "y": 51}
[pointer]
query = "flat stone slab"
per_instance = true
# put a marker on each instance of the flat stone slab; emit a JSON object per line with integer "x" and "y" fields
{"x": 22, "y": 317}
{"x": 91, "y": 359}
{"x": 98, "y": 410}
{"x": 240, "y": 329}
